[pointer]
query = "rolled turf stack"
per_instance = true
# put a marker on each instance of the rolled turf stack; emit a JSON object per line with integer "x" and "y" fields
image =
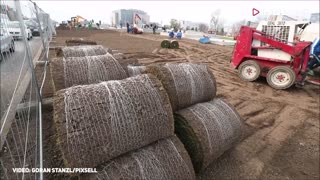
{"x": 81, "y": 51}
{"x": 124, "y": 62}
{"x": 135, "y": 70}
{"x": 174, "y": 44}
{"x": 207, "y": 130}
{"x": 96, "y": 123}
{"x": 186, "y": 84}
{"x": 165, "y": 43}
{"x": 67, "y": 72}
{"x": 166, "y": 159}
{"x": 79, "y": 42}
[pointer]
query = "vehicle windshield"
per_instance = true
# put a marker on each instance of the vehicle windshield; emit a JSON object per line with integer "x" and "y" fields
{"x": 15, "y": 25}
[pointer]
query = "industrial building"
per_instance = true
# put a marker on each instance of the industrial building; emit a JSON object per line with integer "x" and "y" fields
{"x": 122, "y": 16}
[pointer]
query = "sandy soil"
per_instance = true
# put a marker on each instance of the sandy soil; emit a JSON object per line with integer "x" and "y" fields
{"x": 283, "y": 142}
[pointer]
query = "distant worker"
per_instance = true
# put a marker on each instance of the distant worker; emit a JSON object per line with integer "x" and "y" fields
{"x": 171, "y": 34}
{"x": 128, "y": 27}
{"x": 90, "y": 25}
{"x": 314, "y": 61}
{"x": 154, "y": 29}
{"x": 179, "y": 35}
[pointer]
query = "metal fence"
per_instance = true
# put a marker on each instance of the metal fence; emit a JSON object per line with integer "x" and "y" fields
{"x": 26, "y": 32}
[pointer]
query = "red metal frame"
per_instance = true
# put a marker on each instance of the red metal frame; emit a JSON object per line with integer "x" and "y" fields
{"x": 243, "y": 51}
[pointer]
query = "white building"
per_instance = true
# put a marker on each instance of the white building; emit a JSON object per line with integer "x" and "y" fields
{"x": 188, "y": 25}
{"x": 122, "y": 16}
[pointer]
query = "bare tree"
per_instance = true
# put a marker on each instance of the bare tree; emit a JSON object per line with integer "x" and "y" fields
{"x": 236, "y": 27}
{"x": 203, "y": 27}
{"x": 175, "y": 24}
{"x": 215, "y": 22}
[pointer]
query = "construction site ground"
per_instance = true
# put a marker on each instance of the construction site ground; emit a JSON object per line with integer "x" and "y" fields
{"x": 283, "y": 139}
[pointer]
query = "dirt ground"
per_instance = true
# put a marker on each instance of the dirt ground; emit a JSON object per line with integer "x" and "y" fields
{"x": 283, "y": 142}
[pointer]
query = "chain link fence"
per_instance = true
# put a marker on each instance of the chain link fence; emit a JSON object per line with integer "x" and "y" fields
{"x": 26, "y": 31}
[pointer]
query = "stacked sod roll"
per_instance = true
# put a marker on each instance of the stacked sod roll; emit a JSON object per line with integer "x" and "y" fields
{"x": 165, "y": 159}
{"x": 165, "y": 43}
{"x": 71, "y": 71}
{"x": 134, "y": 69}
{"x": 174, "y": 44}
{"x": 206, "y": 125}
{"x": 185, "y": 83}
{"x": 98, "y": 122}
{"x": 81, "y": 51}
{"x": 208, "y": 130}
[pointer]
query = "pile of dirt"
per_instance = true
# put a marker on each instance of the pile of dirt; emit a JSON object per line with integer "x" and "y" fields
{"x": 207, "y": 130}
{"x": 71, "y": 71}
{"x": 80, "y": 42}
{"x": 135, "y": 70}
{"x": 185, "y": 83}
{"x": 81, "y": 51}
{"x": 98, "y": 122}
{"x": 166, "y": 159}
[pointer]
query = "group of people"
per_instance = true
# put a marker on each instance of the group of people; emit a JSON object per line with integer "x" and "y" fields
{"x": 178, "y": 35}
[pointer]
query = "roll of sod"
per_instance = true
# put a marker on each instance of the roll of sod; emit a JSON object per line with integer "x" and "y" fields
{"x": 186, "y": 84}
{"x": 81, "y": 51}
{"x": 165, "y": 44}
{"x": 174, "y": 44}
{"x": 96, "y": 123}
{"x": 207, "y": 130}
{"x": 166, "y": 159}
{"x": 79, "y": 42}
{"x": 67, "y": 72}
{"x": 135, "y": 70}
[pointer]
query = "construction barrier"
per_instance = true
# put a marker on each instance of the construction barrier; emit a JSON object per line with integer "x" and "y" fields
{"x": 96, "y": 123}
{"x": 71, "y": 71}
{"x": 186, "y": 84}
{"x": 80, "y": 51}
{"x": 166, "y": 159}
{"x": 207, "y": 130}
{"x": 135, "y": 70}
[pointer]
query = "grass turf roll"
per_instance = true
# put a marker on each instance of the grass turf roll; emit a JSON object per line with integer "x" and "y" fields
{"x": 135, "y": 70}
{"x": 174, "y": 44}
{"x": 79, "y": 42}
{"x": 67, "y": 72}
{"x": 165, "y": 43}
{"x": 207, "y": 130}
{"x": 81, "y": 51}
{"x": 166, "y": 159}
{"x": 185, "y": 83}
{"x": 98, "y": 122}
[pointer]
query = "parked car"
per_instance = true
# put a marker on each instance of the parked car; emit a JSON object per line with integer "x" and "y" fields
{"x": 15, "y": 31}
{"x": 33, "y": 26}
{"x": 6, "y": 42}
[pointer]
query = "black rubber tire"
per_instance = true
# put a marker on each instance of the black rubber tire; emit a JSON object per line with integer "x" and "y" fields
{"x": 251, "y": 63}
{"x": 174, "y": 44}
{"x": 165, "y": 44}
{"x": 285, "y": 69}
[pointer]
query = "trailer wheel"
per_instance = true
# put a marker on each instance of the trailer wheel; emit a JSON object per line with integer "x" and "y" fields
{"x": 249, "y": 70}
{"x": 281, "y": 77}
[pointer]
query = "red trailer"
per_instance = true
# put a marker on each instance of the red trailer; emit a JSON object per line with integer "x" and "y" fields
{"x": 280, "y": 74}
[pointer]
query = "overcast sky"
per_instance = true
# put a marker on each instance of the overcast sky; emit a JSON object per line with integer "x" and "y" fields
{"x": 163, "y": 11}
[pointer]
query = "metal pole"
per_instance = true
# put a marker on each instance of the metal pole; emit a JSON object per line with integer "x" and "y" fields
{"x": 39, "y": 24}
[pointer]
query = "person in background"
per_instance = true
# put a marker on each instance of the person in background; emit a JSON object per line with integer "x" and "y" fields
{"x": 314, "y": 60}
{"x": 128, "y": 26}
{"x": 171, "y": 34}
{"x": 154, "y": 28}
{"x": 90, "y": 25}
{"x": 179, "y": 35}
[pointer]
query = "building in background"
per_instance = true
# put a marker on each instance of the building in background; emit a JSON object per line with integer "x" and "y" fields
{"x": 315, "y": 18}
{"x": 122, "y": 16}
